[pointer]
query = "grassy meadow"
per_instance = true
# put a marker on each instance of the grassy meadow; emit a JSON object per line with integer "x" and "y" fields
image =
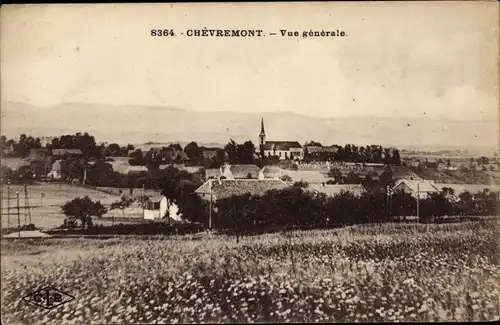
{"x": 389, "y": 272}
{"x": 46, "y": 212}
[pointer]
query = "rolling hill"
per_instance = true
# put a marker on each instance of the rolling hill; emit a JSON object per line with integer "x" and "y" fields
{"x": 140, "y": 124}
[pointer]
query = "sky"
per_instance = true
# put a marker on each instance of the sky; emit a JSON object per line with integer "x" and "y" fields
{"x": 436, "y": 60}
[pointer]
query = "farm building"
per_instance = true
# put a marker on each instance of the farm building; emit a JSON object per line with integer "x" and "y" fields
{"x": 336, "y": 189}
{"x": 225, "y": 188}
{"x": 158, "y": 207}
{"x": 423, "y": 187}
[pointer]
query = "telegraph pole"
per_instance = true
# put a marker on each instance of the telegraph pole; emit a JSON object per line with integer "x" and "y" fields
{"x": 8, "y": 204}
{"x": 418, "y": 202}
{"x": 27, "y": 203}
{"x": 210, "y": 211}
{"x": 18, "y": 215}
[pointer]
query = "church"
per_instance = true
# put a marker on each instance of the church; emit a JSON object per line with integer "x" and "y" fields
{"x": 291, "y": 150}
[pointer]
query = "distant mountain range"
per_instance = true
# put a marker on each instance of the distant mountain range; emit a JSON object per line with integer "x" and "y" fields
{"x": 140, "y": 124}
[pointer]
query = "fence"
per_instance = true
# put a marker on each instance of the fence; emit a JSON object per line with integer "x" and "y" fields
{"x": 16, "y": 207}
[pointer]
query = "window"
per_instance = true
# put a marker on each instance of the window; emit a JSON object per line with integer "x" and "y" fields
{"x": 279, "y": 153}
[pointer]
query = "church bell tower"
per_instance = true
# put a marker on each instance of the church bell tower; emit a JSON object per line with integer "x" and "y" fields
{"x": 262, "y": 138}
{"x": 262, "y": 135}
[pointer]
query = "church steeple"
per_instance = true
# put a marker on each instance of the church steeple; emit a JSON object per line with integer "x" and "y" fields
{"x": 262, "y": 135}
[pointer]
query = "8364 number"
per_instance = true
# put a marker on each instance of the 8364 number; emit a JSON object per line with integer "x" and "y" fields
{"x": 162, "y": 32}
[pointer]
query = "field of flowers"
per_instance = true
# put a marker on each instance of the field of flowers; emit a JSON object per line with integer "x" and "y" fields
{"x": 390, "y": 272}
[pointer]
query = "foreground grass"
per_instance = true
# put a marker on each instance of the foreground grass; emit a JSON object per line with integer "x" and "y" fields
{"x": 357, "y": 274}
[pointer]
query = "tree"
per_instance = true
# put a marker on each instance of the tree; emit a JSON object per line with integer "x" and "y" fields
{"x": 83, "y": 209}
{"x": 483, "y": 161}
{"x": 352, "y": 178}
{"x": 231, "y": 149}
{"x": 396, "y": 158}
{"x": 193, "y": 152}
{"x": 246, "y": 153}
{"x": 113, "y": 150}
{"x": 122, "y": 204}
{"x": 313, "y": 143}
{"x": 336, "y": 174}
{"x": 219, "y": 159}
{"x": 136, "y": 158}
{"x": 301, "y": 184}
{"x": 386, "y": 178}
{"x": 286, "y": 178}
{"x": 130, "y": 147}
{"x": 175, "y": 147}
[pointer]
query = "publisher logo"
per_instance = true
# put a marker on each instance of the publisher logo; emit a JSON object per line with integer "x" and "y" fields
{"x": 48, "y": 298}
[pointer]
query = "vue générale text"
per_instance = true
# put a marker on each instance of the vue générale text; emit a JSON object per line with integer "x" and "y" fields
{"x": 206, "y": 32}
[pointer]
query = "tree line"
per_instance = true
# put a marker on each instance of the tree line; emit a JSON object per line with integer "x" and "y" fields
{"x": 297, "y": 207}
{"x": 85, "y": 142}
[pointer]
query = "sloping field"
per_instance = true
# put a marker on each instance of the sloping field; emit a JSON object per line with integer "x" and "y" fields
{"x": 46, "y": 212}
{"x": 404, "y": 172}
{"x": 457, "y": 177}
{"x": 369, "y": 273}
{"x": 471, "y": 188}
{"x": 14, "y": 163}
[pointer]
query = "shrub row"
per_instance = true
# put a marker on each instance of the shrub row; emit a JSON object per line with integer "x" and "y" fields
{"x": 295, "y": 207}
{"x": 155, "y": 228}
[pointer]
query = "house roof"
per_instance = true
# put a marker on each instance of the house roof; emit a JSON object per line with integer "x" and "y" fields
{"x": 310, "y": 176}
{"x": 270, "y": 171}
{"x": 336, "y": 189}
{"x": 212, "y": 172}
{"x": 420, "y": 185}
{"x": 227, "y": 188}
{"x": 242, "y": 171}
{"x": 281, "y": 145}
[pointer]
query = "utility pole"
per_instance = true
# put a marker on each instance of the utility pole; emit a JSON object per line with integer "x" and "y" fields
{"x": 18, "y": 215}
{"x": 210, "y": 211}
{"x": 8, "y": 204}
{"x": 27, "y": 203}
{"x": 418, "y": 202}
{"x": 142, "y": 201}
{"x": 387, "y": 202}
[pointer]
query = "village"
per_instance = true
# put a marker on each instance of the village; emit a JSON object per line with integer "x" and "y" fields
{"x": 151, "y": 176}
{"x": 272, "y": 165}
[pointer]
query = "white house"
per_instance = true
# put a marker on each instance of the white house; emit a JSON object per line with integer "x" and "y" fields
{"x": 55, "y": 172}
{"x": 157, "y": 207}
